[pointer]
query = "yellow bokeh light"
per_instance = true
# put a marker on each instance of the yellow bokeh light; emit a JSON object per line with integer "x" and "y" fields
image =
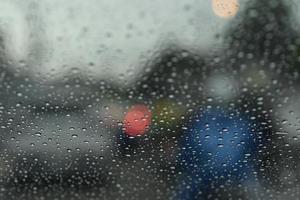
{"x": 225, "y": 8}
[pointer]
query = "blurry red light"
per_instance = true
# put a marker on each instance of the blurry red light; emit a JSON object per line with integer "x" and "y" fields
{"x": 137, "y": 120}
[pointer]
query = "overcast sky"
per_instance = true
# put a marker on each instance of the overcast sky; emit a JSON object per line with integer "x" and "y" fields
{"x": 54, "y": 36}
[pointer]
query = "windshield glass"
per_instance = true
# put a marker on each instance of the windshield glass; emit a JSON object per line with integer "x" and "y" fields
{"x": 147, "y": 99}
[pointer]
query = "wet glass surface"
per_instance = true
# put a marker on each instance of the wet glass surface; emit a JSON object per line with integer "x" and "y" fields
{"x": 149, "y": 99}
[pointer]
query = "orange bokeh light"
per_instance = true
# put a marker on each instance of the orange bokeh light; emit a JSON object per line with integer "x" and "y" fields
{"x": 225, "y": 8}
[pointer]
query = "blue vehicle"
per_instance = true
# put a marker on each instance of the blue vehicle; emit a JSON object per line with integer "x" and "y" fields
{"x": 219, "y": 148}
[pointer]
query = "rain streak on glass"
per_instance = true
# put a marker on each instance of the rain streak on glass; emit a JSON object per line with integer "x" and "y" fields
{"x": 151, "y": 100}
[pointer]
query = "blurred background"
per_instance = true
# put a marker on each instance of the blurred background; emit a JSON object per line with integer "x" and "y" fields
{"x": 149, "y": 99}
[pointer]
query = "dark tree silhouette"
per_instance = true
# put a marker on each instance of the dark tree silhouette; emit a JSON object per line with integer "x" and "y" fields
{"x": 265, "y": 29}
